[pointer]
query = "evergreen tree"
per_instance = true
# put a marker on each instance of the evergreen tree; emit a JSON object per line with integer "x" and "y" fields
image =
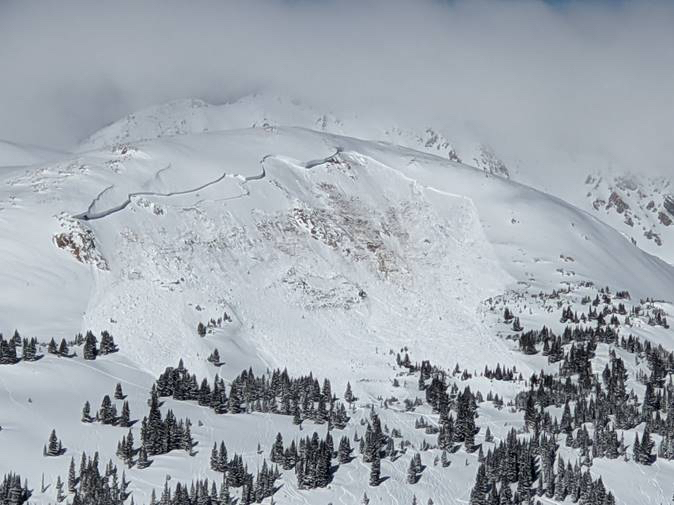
{"x": 344, "y": 451}
{"x": 60, "y": 496}
{"x": 72, "y": 477}
{"x": 89, "y": 352}
{"x": 106, "y": 414}
{"x": 53, "y": 447}
{"x": 142, "y": 462}
{"x": 86, "y": 413}
{"x": 444, "y": 461}
{"x": 277, "y": 450}
{"x": 125, "y": 418}
{"x": 107, "y": 343}
{"x": 636, "y": 449}
{"x": 215, "y": 358}
{"x": 63, "y": 348}
{"x": 412, "y": 475}
{"x": 646, "y": 456}
{"x": 375, "y": 470}
{"x": 214, "y": 458}
{"x": 348, "y": 394}
{"x": 224, "y": 496}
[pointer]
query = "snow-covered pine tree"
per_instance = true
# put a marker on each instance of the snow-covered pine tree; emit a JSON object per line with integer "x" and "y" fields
{"x": 53, "y": 447}
{"x": 89, "y": 352}
{"x": 63, "y": 349}
{"x": 107, "y": 343}
{"x": 86, "y": 412}
{"x": 412, "y": 475}
{"x": 72, "y": 477}
{"x": 375, "y": 470}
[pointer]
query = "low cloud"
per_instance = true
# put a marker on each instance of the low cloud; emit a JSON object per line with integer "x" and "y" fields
{"x": 581, "y": 79}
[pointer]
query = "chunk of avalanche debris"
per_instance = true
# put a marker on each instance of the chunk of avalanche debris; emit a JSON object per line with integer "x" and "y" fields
{"x": 150, "y": 206}
{"x": 79, "y": 241}
{"x": 315, "y": 292}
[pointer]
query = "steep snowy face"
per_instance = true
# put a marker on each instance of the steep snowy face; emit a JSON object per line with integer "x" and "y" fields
{"x": 636, "y": 206}
{"x": 316, "y": 257}
{"x": 308, "y": 247}
{"x": 641, "y": 207}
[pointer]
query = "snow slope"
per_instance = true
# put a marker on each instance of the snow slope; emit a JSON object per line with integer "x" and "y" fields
{"x": 575, "y": 179}
{"x": 325, "y": 251}
{"x": 250, "y": 231}
{"x": 13, "y": 154}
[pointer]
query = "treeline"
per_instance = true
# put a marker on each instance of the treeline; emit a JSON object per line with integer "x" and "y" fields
{"x": 9, "y": 354}
{"x": 12, "y": 491}
{"x": 529, "y": 465}
{"x": 8, "y": 349}
{"x": 302, "y": 397}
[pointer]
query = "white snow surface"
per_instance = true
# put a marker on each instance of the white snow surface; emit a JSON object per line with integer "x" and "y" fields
{"x": 326, "y": 251}
{"x": 288, "y": 251}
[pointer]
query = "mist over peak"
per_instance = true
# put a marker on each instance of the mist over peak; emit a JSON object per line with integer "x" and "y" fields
{"x": 538, "y": 81}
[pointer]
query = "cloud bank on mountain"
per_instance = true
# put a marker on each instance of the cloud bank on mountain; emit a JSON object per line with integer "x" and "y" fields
{"x": 530, "y": 78}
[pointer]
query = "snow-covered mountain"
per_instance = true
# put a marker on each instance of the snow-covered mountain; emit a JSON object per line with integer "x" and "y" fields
{"x": 642, "y": 208}
{"x": 294, "y": 239}
{"x": 189, "y": 116}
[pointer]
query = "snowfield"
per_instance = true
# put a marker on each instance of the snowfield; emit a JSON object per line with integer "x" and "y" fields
{"x": 311, "y": 249}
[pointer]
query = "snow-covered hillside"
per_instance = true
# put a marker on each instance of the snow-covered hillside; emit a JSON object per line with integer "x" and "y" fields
{"x": 634, "y": 205}
{"x": 298, "y": 243}
{"x": 188, "y": 116}
{"x": 641, "y": 207}
{"x": 13, "y": 154}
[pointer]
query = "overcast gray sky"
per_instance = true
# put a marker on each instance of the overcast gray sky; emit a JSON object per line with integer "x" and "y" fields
{"x": 586, "y": 76}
